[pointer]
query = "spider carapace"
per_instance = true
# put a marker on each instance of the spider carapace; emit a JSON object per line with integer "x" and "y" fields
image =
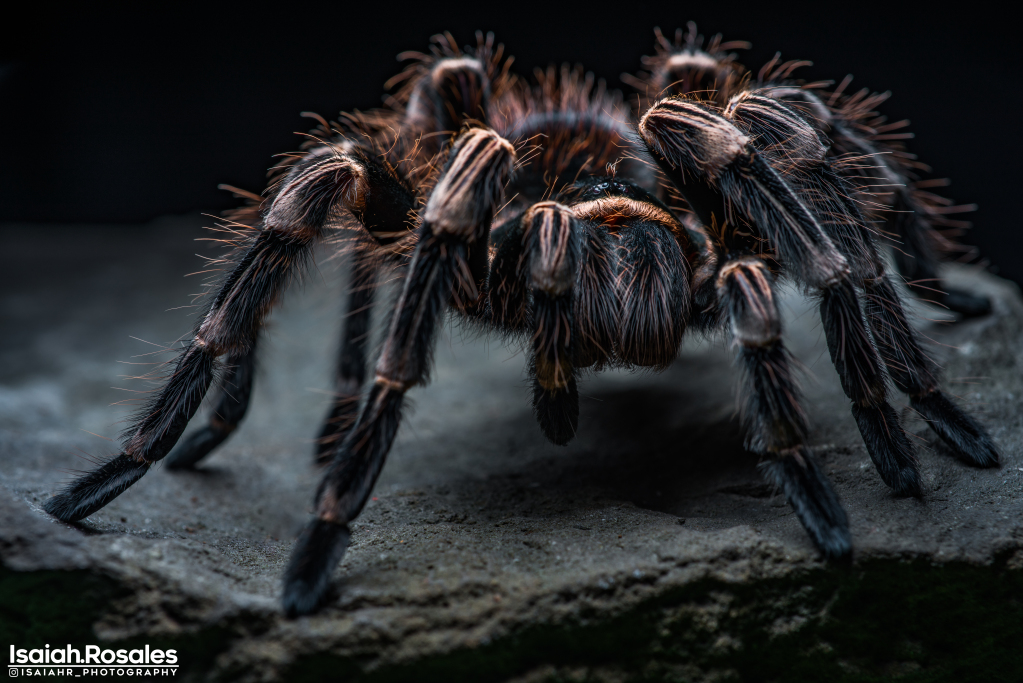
{"x": 598, "y": 233}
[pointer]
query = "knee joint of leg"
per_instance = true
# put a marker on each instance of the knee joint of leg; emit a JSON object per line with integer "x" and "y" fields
{"x": 215, "y": 337}
{"x": 553, "y": 246}
{"x": 327, "y": 177}
{"x": 692, "y": 136}
{"x": 393, "y": 384}
{"x": 471, "y": 184}
{"x": 210, "y": 343}
{"x": 745, "y": 288}
{"x": 463, "y": 79}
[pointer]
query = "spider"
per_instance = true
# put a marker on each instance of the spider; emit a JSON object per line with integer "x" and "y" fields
{"x": 597, "y": 234}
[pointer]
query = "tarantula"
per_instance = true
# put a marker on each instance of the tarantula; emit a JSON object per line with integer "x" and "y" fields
{"x": 596, "y": 232}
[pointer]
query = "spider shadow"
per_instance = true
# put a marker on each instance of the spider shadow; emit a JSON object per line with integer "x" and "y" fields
{"x": 661, "y": 449}
{"x": 669, "y": 443}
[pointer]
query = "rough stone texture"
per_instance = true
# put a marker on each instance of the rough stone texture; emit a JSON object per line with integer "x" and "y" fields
{"x": 648, "y": 549}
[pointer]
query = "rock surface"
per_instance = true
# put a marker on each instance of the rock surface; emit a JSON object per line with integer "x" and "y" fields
{"x": 648, "y": 549}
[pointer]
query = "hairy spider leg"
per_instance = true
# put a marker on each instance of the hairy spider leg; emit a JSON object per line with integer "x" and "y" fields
{"x": 711, "y": 161}
{"x": 453, "y": 85}
{"x": 381, "y": 227}
{"x": 543, "y": 260}
{"x": 775, "y": 422}
{"x": 232, "y": 404}
{"x": 915, "y": 375}
{"x": 685, "y": 66}
{"x": 913, "y": 372}
{"x": 325, "y": 180}
{"x": 458, "y": 213}
{"x": 553, "y": 239}
{"x": 908, "y": 226}
{"x": 351, "y": 362}
{"x": 909, "y": 367}
{"x": 788, "y": 145}
{"x": 863, "y": 380}
{"x": 532, "y": 288}
{"x": 447, "y": 88}
{"x": 908, "y": 223}
{"x": 781, "y": 129}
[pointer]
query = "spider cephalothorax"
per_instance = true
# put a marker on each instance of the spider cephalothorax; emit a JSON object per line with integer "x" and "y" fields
{"x": 595, "y": 233}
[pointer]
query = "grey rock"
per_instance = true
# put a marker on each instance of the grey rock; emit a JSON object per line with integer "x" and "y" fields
{"x": 647, "y": 548}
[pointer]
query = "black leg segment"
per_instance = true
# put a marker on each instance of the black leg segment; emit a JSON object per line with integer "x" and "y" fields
{"x": 327, "y": 179}
{"x": 915, "y": 374}
{"x": 774, "y": 420}
{"x": 554, "y": 241}
{"x": 233, "y": 403}
{"x": 908, "y": 366}
{"x": 351, "y": 363}
{"x": 862, "y": 376}
{"x": 457, "y": 215}
{"x": 319, "y": 549}
{"x": 454, "y": 89}
{"x": 967, "y": 438}
{"x": 357, "y": 460}
{"x": 811, "y": 496}
{"x": 91, "y": 492}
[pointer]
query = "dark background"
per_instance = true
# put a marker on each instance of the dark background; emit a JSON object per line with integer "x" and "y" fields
{"x": 120, "y": 116}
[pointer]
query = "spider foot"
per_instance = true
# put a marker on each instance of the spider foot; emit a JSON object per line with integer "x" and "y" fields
{"x": 557, "y": 411}
{"x": 89, "y": 493}
{"x": 814, "y": 501}
{"x": 318, "y": 552}
{"x": 964, "y": 435}
{"x": 197, "y": 446}
{"x": 889, "y": 448}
